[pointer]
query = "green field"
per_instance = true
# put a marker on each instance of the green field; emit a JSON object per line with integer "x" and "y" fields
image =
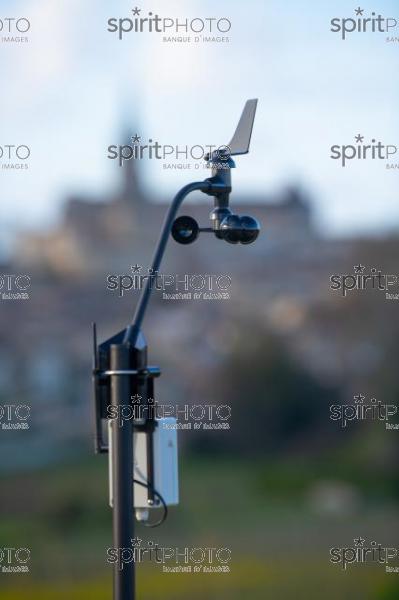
{"x": 279, "y": 542}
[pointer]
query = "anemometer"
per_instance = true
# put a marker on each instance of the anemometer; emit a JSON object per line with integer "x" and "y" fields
{"x": 142, "y": 449}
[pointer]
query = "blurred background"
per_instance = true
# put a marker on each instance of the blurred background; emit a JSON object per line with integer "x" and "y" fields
{"x": 286, "y": 482}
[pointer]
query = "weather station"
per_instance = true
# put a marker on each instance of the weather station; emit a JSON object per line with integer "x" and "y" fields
{"x": 142, "y": 449}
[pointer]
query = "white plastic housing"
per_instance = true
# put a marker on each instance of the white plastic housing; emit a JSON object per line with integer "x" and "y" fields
{"x": 166, "y": 478}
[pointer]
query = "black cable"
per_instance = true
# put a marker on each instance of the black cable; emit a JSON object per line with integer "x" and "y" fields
{"x": 165, "y": 508}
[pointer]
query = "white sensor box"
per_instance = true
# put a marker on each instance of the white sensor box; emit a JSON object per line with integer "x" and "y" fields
{"x": 166, "y": 478}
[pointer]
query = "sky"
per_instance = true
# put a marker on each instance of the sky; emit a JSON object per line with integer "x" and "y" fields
{"x": 71, "y": 90}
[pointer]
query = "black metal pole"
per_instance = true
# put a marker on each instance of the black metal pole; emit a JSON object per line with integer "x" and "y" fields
{"x": 122, "y": 473}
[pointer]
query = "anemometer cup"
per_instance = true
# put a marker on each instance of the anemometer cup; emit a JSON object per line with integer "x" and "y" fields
{"x": 230, "y": 229}
{"x": 239, "y": 230}
{"x": 185, "y": 230}
{"x": 250, "y": 229}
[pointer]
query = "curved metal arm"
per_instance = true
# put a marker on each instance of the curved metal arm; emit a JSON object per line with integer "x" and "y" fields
{"x": 133, "y": 329}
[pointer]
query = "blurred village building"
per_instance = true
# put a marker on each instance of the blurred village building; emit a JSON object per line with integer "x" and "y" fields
{"x": 280, "y": 283}
{"x": 100, "y": 233}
